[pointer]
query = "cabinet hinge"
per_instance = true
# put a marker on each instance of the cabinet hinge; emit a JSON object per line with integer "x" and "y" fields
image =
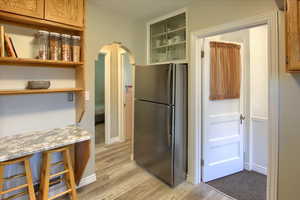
{"x": 287, "y": 60}
{"x": 202, "y": 162}
{"x": 202, "y": 54}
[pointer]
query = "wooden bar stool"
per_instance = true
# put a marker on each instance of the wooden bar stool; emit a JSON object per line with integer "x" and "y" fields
{"x": 68, "y": 173}
{"x": 27, "y": 174}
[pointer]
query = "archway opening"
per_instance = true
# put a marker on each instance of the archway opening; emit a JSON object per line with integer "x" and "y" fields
{"x": 114, "y": 89}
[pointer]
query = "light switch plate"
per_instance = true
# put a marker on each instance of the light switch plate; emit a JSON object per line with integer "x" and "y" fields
{"x": 87, "y": 95}
{"x": 70, "y": 96}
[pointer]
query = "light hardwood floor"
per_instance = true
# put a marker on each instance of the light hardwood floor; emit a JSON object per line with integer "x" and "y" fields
{"x": 119, "y": 178}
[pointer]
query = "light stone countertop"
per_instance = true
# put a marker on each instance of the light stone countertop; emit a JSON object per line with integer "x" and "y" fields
{"x": 17, "y": 146}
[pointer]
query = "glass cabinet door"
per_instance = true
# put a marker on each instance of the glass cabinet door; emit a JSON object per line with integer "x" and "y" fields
{"x": 168, "y": 39}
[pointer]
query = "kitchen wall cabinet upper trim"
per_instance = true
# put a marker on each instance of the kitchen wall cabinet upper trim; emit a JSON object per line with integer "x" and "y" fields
{"x": 185, "y": 43}
{"x": 64, "y": 14}
{"x": 32, "y": 8}
{"x": 65, "y": 11}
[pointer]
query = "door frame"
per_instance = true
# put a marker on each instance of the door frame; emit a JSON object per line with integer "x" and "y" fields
{"x": 107, "y": 93}
{"x": 121, "y": 52}
{"x": 121, "y": 108}
{"x": 107, "y": 51}
{"x": 243, "y": 92}
{"x": 195, "y": 84}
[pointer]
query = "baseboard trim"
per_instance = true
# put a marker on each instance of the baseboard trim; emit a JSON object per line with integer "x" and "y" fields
{"x": 260, "y": 169}
{"x": 87, "y": 180}
{"x": 247, "y": 166}
{"x": 257, "y": 168}
{"x": 190, "y": 179}
{"x": 115, "y": 140}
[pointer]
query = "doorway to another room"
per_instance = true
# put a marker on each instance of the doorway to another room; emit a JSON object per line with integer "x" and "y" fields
{"x": 235, "y": 112}
{"x": 114, "y": 77}
{"x": 100, "y": 99}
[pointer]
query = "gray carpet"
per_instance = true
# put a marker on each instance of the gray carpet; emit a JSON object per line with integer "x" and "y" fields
{"x": 100, "y": 134}
{"x": 245, "y": 185}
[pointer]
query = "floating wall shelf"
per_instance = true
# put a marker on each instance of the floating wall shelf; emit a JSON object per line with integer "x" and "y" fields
{"x": 38, "y": 63}
{"x": 43, "y": 91}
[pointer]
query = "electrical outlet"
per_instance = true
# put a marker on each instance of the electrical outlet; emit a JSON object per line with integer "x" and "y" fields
{"x": 71, "y": 97}
{"x": 87, "y": 95}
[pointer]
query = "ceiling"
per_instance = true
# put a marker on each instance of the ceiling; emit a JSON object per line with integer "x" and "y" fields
{"x": 142, "y": 9}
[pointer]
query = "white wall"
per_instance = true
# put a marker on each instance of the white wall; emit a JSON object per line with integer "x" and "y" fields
{"x": 128, "y": 70}
{"x": 289, "y": 126}
{"x": 259, "y": 99}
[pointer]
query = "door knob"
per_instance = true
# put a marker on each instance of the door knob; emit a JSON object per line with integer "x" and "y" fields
{"x": 242, "y": 118}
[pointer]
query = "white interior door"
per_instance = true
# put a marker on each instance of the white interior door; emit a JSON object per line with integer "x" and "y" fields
{"x": 223, "y": 148}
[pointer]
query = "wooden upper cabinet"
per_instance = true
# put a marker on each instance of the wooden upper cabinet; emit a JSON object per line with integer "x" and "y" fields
{"x": 293, "y": 35}
{"x": 69, "y": 12}
{"x": 32, "y": 8}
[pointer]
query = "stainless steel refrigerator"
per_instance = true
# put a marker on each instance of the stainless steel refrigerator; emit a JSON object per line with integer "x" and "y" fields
{"x": 160, "y": 121}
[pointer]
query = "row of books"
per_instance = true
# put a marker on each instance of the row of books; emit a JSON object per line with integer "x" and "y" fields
{"x": 7, "y": 47}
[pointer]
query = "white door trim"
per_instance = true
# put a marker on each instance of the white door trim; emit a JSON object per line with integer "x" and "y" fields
{"x": 107, "y": 94}
{"x": 252, "y": 165}
{"x": 107, "y": 51}
{"x": 194, "y": 158}
{"x": 122, "y": 50}
{"x": 121, "y": 87}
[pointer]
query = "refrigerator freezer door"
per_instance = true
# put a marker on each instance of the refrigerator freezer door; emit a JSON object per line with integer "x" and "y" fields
{"x": 154, "y": 83}
{"x": 153, "y": 139}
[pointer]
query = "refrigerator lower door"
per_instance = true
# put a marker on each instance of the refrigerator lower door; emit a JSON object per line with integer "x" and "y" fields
{"x": 153, "y": 146}
{"x": 154, "y": 83}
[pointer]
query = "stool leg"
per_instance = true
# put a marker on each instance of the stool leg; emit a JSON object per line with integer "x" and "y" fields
{"x": 70, "y": 175}
{"x": 1, "y": 179}
{"x": 45, "y": 176}
{"x": 42, "y": 174}
{"x": 29, "y": 179}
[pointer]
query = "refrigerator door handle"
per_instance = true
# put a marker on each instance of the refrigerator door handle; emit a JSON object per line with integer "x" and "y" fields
{"x": 170, "y": 127}
{"x": 170, "y": 84}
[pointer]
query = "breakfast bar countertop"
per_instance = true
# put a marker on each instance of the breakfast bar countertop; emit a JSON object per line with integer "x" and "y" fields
{"x": 16, "y": 146}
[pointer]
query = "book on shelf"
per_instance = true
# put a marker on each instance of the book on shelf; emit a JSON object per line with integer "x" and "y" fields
{"x": 13, "y": 46}
{"x": 9, "y": 46}
{"x": 2, "y": 47}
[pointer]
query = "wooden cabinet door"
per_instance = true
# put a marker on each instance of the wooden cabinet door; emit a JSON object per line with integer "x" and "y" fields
{"x": 293, "y": 35}
{"x": 32, "y": 8}
{"x": 69, "y": 12}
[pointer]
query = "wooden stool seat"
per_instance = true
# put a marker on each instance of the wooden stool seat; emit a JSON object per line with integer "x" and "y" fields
{"x": 27, "y": 174}
{"x": 68, "y": 173}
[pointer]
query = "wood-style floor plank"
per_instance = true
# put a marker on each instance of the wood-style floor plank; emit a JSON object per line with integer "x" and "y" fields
{"x": 119, "y": 178}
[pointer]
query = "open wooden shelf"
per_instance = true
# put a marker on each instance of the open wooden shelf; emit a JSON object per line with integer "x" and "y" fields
{"x": 37, "y": 62}
{"x": 37, "y": 91}
{"x": 50, "y": 21}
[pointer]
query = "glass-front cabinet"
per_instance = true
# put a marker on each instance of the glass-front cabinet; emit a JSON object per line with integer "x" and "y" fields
{"x": 167, "y": 39}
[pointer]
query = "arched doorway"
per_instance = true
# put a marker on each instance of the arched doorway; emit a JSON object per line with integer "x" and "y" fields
{"x": 117, "y": 91}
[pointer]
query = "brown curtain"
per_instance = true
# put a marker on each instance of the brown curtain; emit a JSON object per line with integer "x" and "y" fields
{"x": 225, "y": 72}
